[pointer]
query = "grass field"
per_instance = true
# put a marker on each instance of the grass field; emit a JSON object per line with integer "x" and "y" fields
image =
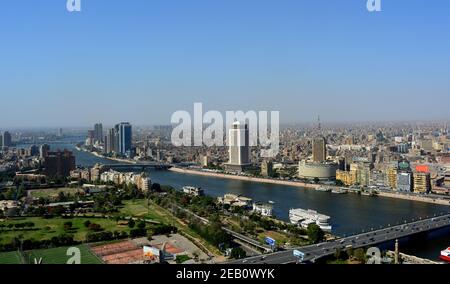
{"x": 10, "y": 258}
{"x": 139, "y": 208}
{"x": 59, "y": 256}
{"x": 54, "y": 192}
{"x": 48, "y": 228}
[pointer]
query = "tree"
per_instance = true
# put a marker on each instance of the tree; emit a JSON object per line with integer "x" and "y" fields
{"x": 316, "y": 180}
{"x": 156, "y": 187}
{"x": 315, "y": 233}
{"x": 339, "y": 254}
{"x": 360, "y": 255}
{"x": 136, "y": 233}
{"x": 141, "y": 225}
{"x": 87, "y": 223}
{"x": 131, "y": 224}
{"x": 95, "y": 227}
{"x": 238, "y": 253}
{"x": 68, "y": 226}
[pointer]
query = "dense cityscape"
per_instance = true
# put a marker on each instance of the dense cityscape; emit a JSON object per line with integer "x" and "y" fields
{"x": 119, "y": 196}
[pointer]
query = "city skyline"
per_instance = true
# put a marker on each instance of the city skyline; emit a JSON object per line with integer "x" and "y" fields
{"x": 140, "y": 62}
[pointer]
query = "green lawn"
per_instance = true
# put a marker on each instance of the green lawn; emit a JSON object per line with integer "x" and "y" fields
{"x": 48, "y": 228}
{"x": 54, "y": 192}
{"x": 10, "y": 258}
{"x": 59, "y": 256}
{"x": 135, "y": 208}
{"x": 140, "y": 209}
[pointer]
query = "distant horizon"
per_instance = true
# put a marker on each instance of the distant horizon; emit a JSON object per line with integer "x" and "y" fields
{"x": 282, "y": 124}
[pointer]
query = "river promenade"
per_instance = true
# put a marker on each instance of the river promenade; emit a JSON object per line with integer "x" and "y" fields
{"x": 244, "y": 178}
{"x": 306, "y": 185}
{"x": 125, "y": 161}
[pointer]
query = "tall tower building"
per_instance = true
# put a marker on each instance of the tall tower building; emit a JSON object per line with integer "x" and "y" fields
{"x": 124, "y": 137}
{"x": 239, "y": 147}
{"x": 319, "y": 149}
{"x": 98, "y": 132}
{"x": 6, "y": 139}
{"x": 110, "y": 141}
{"x": 43, "y": 151}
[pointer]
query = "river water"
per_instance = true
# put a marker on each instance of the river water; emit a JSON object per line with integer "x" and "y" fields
{"x": 349, "y": 213}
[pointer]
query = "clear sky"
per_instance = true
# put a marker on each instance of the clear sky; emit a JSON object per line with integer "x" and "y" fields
{"x": 141, "y": 60}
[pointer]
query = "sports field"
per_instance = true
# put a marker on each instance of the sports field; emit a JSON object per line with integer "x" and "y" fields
{"x": 48, "y": 228}
{"x": 54, "y": 192}
{"x": 10, "y": 258}
{"x": 59, "y": 256}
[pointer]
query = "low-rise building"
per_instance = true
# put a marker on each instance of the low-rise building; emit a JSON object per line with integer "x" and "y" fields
{"x": 263, "y": 209}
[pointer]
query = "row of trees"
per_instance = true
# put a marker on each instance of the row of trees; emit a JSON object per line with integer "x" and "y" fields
{"x": 30, "y": 244}
{"x": 25, "y": 225}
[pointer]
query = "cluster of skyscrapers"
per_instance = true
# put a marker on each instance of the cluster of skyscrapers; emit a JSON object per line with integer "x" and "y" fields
{"x": 119, "y": 139}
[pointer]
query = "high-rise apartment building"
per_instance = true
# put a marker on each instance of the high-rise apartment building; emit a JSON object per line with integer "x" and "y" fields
{"x": 43, "y": 151}
{"x": 239, "y": 147}
{"x": 319, "y": 149}
{"x": 110, "y": 141}
{"x": 391, "y": 177}
{"x": 6, "y": 139}
{"x": 98, "y": 133}
{"x": 361, "y": 172}
{"x": 124, "y": 137}
{"x": 422, "y": 182}
{"x": 59, "y": 164}
{"x": 404, "y": 176}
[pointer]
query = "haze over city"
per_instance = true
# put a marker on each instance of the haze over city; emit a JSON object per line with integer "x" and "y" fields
{"x": 141, "y": 61}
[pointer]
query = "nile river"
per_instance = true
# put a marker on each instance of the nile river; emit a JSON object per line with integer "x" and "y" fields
{"x": 349, "y": 213}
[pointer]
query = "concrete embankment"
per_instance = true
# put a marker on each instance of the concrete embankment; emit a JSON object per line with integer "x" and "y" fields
{"x": 414, "y": 198}
{"x": 245, "y": 178}
{"x": 125, "y": 161}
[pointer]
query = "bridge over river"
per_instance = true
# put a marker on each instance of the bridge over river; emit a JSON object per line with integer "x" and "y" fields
{"x": 372, "y": 238}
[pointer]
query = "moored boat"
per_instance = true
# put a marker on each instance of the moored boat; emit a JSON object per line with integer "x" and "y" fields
{"x": 323, "y": 189}
{"x": 445, "y": 255}
{"x": 304, "y": 218}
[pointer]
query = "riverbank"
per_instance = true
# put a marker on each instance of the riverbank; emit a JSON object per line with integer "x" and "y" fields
{"x": 126, "y": 161}
{"x": 245, "y": 178}
{"x": 305, "y": 185}
{"x": 414, "y": 198}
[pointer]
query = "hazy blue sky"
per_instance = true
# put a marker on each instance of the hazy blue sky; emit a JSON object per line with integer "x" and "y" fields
{"x": 141, "y": 60}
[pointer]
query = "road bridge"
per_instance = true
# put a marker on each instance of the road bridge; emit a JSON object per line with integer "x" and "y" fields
{"x": 367, "y": 239}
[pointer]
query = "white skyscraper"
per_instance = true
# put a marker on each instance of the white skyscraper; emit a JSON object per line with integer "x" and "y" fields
{"x": 239, "y": 147}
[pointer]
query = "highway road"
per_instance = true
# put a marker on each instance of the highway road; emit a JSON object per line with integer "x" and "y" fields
{"x": 314, "y": 252}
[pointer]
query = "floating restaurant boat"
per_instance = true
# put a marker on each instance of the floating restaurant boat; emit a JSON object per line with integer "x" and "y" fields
{"x": 304, "y": 218}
